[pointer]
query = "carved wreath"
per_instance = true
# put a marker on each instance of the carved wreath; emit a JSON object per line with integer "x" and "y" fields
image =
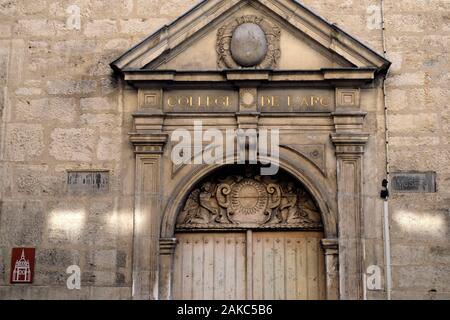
{"x": 225, "y": 33}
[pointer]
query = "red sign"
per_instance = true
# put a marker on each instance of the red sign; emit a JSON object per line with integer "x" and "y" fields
{"x": 22, "y": 265}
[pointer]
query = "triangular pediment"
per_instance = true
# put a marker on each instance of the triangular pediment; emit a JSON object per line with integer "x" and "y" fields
{"x": 294, "y": 38}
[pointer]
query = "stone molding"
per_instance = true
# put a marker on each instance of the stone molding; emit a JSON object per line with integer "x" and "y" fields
{"x": 330, "y": 246}
{"x": 167, "y": 246}
{"x": 349, "y": 143}
{"x": 152, "y": 143}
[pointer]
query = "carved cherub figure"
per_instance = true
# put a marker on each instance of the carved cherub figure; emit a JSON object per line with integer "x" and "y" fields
{"x": 201, "y": 206}
{"x": 308, "y": 209}
{"x": 288, "y": 206}
{"x": 191, "y": 208}
{"x": 209, "y": 208}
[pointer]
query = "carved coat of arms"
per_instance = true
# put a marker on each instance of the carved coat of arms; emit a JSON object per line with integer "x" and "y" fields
{"x": 249, "y": 201}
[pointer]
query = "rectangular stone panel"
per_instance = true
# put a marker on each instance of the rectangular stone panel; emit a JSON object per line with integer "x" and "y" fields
{"x": 413, "y": 182}
{"x": 87, "y": 181}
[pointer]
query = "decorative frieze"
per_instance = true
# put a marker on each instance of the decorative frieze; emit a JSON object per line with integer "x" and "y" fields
{"x": 249, "y": 201}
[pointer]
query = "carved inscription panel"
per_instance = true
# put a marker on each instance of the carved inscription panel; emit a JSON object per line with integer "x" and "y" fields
{"x": 200, "y": 101}
{"x": 266, "y": 100}
{"x": 296, "y": 100}
{"x": 244, "y": 199}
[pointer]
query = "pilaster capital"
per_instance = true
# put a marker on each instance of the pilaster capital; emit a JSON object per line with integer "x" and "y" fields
{"x": 349, "y": 143}
{"x": 152, "y": 143}
{"x": 349, "y": 121}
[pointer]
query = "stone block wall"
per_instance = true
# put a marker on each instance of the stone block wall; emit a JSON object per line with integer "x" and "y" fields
{"x": 417, "y": 94}
{"x": 61, "y": 109}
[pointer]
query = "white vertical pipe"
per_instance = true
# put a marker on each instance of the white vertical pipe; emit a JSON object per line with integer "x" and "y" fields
{"x": 387, "y": 250}
{"x": 387, "y": 238}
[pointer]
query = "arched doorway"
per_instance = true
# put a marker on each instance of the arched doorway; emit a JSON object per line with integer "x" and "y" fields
{"x": 241, "y": 235}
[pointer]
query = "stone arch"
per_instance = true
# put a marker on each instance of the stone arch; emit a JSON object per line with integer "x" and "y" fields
{"x": 299, "y": 170}
{"x": 318, "y": 193}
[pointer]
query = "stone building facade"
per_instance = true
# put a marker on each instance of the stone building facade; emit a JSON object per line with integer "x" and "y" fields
{"x": 82, "y": 106}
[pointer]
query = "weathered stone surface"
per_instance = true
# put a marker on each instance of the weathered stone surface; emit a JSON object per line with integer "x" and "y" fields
{"x": 50, "y": 277}
{"x": 121, "y": 259}
{"x": 3, "y": 264}
{"x": 57, "y": 258}
{"x": 36, "y": 28}
{"x": 22, "y": 223}
{"x": 5, "y": 31}
{"x": 101, "y": 28}
{"x": 423, "y": 277}
{"x": 31, "y": 7}
{"x": 418, "y": 123}
{"x": 104, "y": 122}
{"x": 8, "y": 7}
{"x": 97, "y": 104}
{"x": 70, "y": 87}
{"x": 4, "y": 60}
{"x": 72, "y": 144}
{"x": 36, "y": 181}
{"x": 53, "y": 109}
{"x": 102, "y": 259}
{"x": 24, "y": 141}
{"x": 108, "y": 149}
{"x": 29, "y": 91}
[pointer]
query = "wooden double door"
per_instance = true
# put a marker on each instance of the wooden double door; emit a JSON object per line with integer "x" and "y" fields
{"x": 249, "y": 265}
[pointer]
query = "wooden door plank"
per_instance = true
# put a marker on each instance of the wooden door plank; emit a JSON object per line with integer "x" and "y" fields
{"x": 257, "y": 252}
{"x": 241, "y": 260}
{"x": 302, "y": 268}
{"x": 230, "y": 267}
{"x": 208, "y": 267}
{"x": 291, "y": 268}
{"x": 177, "y": 271}
{"x": 268, "y": 269}
{"x": 187, "y": 269}
{"x": 313, "y": 275}
{"x": 249, "y": 256}
{"x": 279, "y": 267}
{"x": 197, "y": 267}
{"x": 219, "y": 266}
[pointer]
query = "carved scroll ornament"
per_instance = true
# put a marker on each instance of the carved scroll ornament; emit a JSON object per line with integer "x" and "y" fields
{"x": 249, "y": 201}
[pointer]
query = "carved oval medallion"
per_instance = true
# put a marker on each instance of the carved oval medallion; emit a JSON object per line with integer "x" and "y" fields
{"x": 248, "y": 45}
{"x": 249, "y": 197}
{"x": 250, "y": 42}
